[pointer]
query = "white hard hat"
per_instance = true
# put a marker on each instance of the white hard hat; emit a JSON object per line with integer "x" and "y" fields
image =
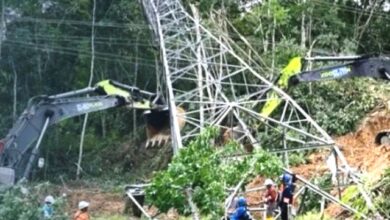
{"x": 83, "y": 204}
{"x": 268, "y": 182}
{"x": 49, "y": 199}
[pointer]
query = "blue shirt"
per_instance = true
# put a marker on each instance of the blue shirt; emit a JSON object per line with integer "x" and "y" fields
{"x": 240, "y": 214}
{"x": 47, "y": 211}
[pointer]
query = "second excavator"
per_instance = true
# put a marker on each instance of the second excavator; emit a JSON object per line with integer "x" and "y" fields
{"x": 372, "y": 66}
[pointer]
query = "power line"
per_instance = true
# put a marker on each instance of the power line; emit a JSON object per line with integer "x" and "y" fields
{"x": 253, "y": 42}
{"x": 78, "y": 37}
{"x": 78, "y": 53}
{"x": 347, "y": 8}
{"x": 111, "y": 55}
{"x": 80, "y": 22}
{"x": 81, "y": 40}
{"x": 53, "y": 38}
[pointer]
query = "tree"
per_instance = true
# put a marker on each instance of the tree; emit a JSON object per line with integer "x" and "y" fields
{"x": 206, "y": 170}
{"x": 49, "y": 45}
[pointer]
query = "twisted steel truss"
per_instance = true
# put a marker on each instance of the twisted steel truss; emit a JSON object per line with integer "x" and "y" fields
{"x": 218, "y": 84}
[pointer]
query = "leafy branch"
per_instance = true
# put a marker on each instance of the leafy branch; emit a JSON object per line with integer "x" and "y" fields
{"x": 205, "y": 169}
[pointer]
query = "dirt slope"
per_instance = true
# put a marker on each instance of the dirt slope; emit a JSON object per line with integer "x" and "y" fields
{"x": 359, "y": 149}
{"x": 101, "y": 201}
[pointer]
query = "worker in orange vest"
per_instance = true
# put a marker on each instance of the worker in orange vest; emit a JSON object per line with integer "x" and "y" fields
{"x": 82, "y": 213}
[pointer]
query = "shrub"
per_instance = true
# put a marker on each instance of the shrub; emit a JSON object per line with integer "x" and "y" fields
{"x": 21, "y": 203}
{"x": 201, "y": 167}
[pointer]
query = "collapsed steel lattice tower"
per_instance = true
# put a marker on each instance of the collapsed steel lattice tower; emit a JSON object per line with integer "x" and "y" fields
{"x": 218, "y": 84}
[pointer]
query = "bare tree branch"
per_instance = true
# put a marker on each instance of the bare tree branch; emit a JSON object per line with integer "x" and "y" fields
{"x": 366, "y": 24}
{"x": 89, "y": 84}
{"x": 15, "y": 92}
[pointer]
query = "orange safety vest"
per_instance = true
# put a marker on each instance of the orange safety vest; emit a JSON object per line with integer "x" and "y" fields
{"x": 81, "y": 216}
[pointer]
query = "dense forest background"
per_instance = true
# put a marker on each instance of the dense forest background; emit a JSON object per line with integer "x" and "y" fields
{"x": 45, "y": 48}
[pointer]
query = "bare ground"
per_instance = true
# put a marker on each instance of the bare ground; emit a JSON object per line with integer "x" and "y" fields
{"x": 358, "y": 147}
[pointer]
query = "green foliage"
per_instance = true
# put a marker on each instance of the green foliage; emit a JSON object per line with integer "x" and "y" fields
{"x": 338, "y": 106}
{"x": 20, "y": 203}
{"x": 296, "y": 159}
{"x": 382, "y": 195}
{"x": 49, "y": 51}
{"x": 51, "y": 54}
{"x": 206, "y": 6}
{"x": 351, "y": 195}
{"x": 195, "y": 166}
{"x": 201, "y": 166}
{"x": 312, "y": 200}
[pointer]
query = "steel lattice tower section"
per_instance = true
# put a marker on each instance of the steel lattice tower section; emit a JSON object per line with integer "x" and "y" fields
{"x": 218, "y": 84}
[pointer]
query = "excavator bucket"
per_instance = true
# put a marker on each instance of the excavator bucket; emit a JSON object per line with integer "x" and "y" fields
{"x": 158, "y": 126}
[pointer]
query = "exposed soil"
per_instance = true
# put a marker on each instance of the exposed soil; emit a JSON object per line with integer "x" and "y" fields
{"x": 359, "y": 149}
{"x": 101, "y": 202}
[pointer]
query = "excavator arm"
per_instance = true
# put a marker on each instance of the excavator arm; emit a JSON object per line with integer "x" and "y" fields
{"x": 365, "y": 66}
{"x": 17, "y": 150}
{"x": 376, "y": 67}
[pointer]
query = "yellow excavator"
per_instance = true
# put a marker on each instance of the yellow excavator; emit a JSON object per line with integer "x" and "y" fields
{"x": 19, "y": 149}
{"x": 373, "y": 66}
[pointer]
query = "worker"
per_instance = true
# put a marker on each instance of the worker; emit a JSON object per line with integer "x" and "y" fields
{"x": 47, "y": 208}
{"x": 241, "y": 212}
{"x": 287, "y": 195}
{"x": 1, "y": 145}
{"x": 233, "y": 205}
{"x": 82, "y": 213}
{"x": 270, "y": 198}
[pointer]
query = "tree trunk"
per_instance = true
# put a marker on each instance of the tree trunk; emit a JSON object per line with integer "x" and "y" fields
{"x": 2, "y": 25}
{"x": 194, "y": 209}
{"x": 15, "y": 92}
{"x": 303, "y": 29}
{"x": 273, "y": 43}
{"x": 135, "y": 83}
{"x": 366, "y": 24}
{"x": 89, "y": 84}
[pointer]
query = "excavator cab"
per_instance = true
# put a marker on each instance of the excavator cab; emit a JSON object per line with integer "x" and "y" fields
{"x": 383, "y": 138}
